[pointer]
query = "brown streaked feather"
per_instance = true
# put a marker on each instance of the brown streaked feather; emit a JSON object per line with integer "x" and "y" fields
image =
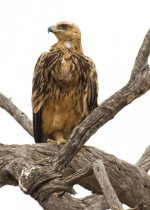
{"x": 41, "y": 79}
{"x": 92, "y": 89}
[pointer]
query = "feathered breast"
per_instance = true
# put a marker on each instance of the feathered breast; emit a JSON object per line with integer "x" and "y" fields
{"x": 58, "y": 71}
{"x": 64, "y": 92}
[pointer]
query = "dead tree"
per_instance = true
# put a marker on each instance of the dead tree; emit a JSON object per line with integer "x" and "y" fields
{"x": 48, "y": 172}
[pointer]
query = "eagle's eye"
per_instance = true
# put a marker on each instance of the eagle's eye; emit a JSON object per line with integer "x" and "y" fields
{"x": 63, "y": 27}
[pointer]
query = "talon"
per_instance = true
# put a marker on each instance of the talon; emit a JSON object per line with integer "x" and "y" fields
{"x": 61, "y": 141}
{"x": 51, "y": 141}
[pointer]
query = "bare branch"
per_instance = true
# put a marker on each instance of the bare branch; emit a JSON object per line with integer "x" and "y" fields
{"x": 107, "y": 189}
{"x": 144, "y": 161}
{"x": 16, "y": 113}
{"x": 141, "y": 61}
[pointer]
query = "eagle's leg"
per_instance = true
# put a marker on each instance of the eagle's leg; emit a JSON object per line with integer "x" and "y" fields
{"x": 58, "y": 135}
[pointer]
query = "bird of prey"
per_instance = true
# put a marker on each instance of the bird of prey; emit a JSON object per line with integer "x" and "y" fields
{"x": 65, "y": 88}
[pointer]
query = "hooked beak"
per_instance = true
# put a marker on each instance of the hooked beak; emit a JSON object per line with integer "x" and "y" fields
{"x": 52, "y": 29}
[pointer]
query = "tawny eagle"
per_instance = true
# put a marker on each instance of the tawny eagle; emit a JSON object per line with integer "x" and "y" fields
{"x": 64, "y": 88}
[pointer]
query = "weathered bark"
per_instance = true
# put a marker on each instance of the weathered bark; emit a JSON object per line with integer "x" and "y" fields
{"x": 20, "y": 165}
{"x": 107, "y": 189}
{"x": 48, "y": 172}
{"x": 144, "y": 161}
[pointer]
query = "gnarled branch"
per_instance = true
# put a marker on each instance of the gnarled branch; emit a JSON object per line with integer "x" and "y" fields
{"x": 19, "y": 166}
{"x": 16, "y": 113}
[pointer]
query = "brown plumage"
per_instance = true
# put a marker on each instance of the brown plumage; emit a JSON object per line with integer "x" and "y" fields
{"x": 64, "y": 86}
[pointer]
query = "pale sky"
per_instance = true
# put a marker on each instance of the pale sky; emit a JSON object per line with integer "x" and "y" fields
{"x": 112, "y": 32}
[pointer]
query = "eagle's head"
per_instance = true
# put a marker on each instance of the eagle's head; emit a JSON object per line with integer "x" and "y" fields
{"x": 65, "y": 31}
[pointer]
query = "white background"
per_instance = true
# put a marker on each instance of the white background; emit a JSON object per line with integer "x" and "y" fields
{"x": 112, "y": 32}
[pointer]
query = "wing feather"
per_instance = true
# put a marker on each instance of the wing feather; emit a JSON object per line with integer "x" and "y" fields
{"x": 92, "y": 90}
{"x": 37, "y": 128}
{"x": 39, "y": 84}
{"x": 41, "y": 90}
{"x": 38, "y": 97}
{"x": 89, "y": 81}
